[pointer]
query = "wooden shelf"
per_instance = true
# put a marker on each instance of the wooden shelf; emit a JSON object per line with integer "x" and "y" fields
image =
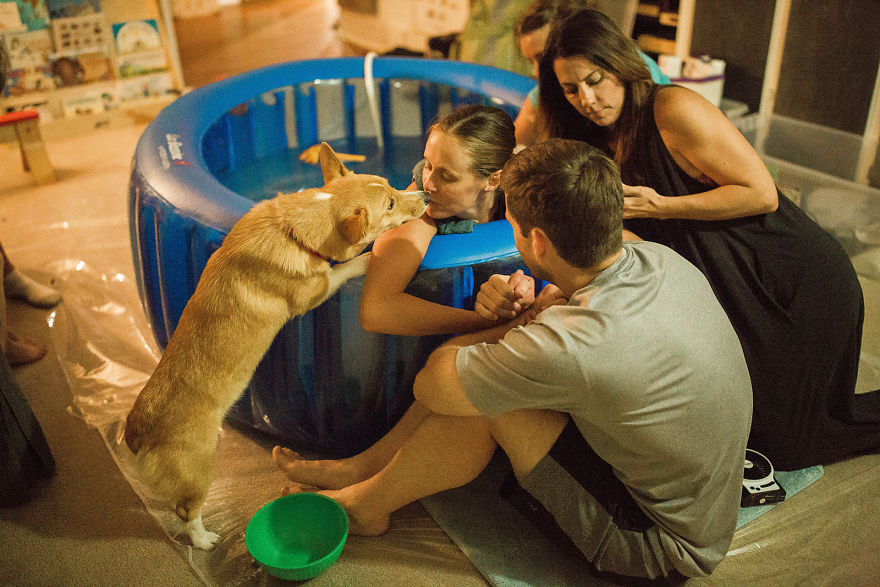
{"x": 655, "y": 44}
{"x": 664, "y": 26}
{"x": 135, "y": 111}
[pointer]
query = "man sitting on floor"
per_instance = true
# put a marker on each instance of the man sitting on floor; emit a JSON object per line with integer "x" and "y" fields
{"x": 621, "y": 396}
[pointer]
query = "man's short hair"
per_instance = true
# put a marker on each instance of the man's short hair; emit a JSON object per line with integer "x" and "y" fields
{"x": 572, "y": 192}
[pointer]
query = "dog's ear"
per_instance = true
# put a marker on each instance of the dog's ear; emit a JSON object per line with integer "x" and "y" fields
{"x": 331, "y": 166}
{"x": 352, "y": 227}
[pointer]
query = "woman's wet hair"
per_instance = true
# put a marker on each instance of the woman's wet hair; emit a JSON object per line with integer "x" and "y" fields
{"x": 593, "y": 36}
{"x": 572, "y": 192}
{"x": 485, "y": 133}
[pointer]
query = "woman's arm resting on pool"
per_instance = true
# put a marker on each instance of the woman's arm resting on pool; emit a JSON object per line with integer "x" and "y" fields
{"x": 704, "y": 143}
{"x": 385, "y": 307}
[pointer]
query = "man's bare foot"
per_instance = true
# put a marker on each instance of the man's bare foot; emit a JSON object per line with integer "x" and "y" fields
{"x": 324, "y": 474}
{"x": 22, "y": 351}
{"x": 361, "y": 521}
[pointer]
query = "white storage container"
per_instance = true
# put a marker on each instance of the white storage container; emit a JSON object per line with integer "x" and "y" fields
{"x": 825, "y": 149}
{"x": 814, "y": 166}
{"x": 710, "y": 85}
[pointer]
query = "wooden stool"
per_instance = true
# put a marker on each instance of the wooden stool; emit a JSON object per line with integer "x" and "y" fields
{"x": 24, "y": 127}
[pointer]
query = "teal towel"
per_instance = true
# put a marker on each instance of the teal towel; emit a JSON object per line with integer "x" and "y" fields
{"x": 454, "y": 225}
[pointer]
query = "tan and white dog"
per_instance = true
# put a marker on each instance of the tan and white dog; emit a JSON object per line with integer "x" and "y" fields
{"x": 273, "y": 265}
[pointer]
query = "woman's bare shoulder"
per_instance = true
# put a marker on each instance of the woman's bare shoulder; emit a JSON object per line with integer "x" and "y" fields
{"x": 682, "y": 105}
{"x": 419, "y": 231}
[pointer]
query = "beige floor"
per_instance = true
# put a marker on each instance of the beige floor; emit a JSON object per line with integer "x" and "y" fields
{"x": 88, "y": 526}
{"x": 259, "y": 32}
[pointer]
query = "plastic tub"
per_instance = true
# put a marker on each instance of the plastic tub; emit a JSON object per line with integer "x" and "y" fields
{"x": 325, "y": 384}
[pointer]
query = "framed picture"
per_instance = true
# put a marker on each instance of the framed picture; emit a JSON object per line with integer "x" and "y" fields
{"x": 68, "y": 8}
{"x": 85, "y": 67}
{"x": 81, "y": 32}
{"x": 28, "y": 80}
{"x": 28, "y": 48}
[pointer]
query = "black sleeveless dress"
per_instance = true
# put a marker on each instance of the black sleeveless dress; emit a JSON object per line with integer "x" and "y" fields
{"x": 793, "y": 298}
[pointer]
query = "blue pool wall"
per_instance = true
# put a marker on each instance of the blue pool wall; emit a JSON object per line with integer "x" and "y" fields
{"x": 325, "y": 384}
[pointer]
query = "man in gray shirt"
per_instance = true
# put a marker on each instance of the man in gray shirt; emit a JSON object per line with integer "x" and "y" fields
{"x": 621, "y": 395}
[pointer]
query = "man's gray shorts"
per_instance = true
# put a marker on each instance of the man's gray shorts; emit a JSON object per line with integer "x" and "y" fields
{"x": 575, "y": 499}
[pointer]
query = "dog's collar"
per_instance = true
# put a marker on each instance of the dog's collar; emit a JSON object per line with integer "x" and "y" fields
{"x": 307, "y": 248}
{"x": 313, "y": 252}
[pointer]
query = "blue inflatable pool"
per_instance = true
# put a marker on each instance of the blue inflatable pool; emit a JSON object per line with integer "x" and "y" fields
{"x": 325, "y": 384}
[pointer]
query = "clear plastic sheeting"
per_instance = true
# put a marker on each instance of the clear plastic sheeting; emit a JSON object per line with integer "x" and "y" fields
{"x": 823, "y": 535}
{"x": 105, "y": 346}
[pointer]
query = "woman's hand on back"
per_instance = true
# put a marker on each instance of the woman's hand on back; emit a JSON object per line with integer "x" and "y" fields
{"x": 642, "y": 202}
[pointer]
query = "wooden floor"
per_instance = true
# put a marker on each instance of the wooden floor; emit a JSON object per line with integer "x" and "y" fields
{"x": 254, "y": 34}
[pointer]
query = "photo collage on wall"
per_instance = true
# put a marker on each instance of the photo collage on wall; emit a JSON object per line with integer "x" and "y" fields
{"x": 70, "y": 43}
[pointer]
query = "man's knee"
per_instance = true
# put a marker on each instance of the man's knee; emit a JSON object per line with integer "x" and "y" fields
{"x": 527, "y": 436}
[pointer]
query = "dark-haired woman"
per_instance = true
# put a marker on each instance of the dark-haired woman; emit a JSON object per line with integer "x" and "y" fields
{"x": 695, "y": 184}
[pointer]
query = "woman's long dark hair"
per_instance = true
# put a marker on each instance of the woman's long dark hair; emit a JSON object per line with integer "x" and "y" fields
{"x": 592, "y": 35}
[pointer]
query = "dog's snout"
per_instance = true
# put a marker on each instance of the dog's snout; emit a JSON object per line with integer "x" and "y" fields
{"x": 426, "y": 197}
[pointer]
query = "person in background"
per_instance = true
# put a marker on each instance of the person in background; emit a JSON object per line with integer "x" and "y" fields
{"x": 695, "y": 184}
{"x": 604, "y": 394}
{"x": 25, "y": 458}
{"x": 20, "y": 351}
{"x": 530, "y": 31}
{"x": 17, "y": 350}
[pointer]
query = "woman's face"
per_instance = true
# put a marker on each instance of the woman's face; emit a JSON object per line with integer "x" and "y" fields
{"x": 596, "y": 94}
{"x": 447, "y": 176}
{"x": 532, "y": 46}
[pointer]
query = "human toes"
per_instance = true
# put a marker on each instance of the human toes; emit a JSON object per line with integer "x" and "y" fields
{"x": 22, "y": 352}
{"x": 284, "y": 457}
{"x": 299, "y": 488}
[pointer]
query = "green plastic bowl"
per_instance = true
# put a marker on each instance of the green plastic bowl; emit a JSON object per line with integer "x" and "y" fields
{"x": 296, "y": 537}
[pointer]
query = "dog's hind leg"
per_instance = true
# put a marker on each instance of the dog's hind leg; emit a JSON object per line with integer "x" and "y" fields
{"x": 190, "y": 511}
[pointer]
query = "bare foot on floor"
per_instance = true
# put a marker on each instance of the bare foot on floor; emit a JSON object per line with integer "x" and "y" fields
{"x": 361, "y": 521}
{"x": 324, "y": 474}
{"x": 22, "y": 351}
{"x": 18, "y": 285}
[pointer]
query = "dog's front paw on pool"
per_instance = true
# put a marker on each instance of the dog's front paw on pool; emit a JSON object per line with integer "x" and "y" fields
{"x": 360, "y": 263}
